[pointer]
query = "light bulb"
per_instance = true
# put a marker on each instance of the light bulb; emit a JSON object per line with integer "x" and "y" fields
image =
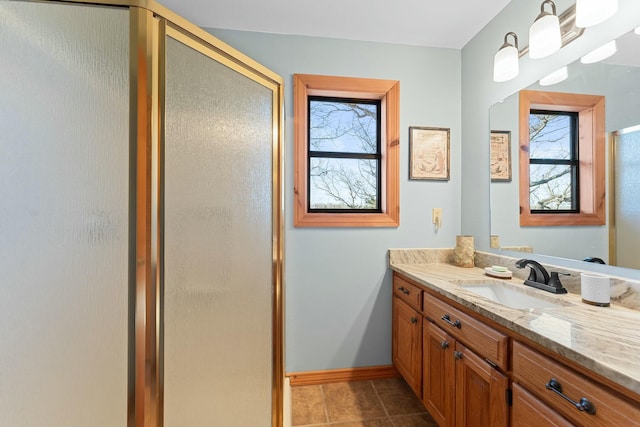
{"x": 599, "y": 54}
{"x": 593, "y": 12}
{"x": 555, "y": 77}
{"x": 544, "y": 34}
{"x": 505, "y": 62}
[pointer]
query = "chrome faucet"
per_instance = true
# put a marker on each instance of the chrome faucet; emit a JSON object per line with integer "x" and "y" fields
{"x": 539, "y": 277}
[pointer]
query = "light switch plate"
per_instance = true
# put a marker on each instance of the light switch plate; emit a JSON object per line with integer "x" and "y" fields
{"x": 436, "y": 216}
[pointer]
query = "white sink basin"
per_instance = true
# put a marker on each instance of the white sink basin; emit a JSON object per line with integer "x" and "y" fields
{"x": 509, "y": 295}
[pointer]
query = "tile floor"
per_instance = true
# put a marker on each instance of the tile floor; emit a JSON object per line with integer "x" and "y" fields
{"x": 379, "y": 403}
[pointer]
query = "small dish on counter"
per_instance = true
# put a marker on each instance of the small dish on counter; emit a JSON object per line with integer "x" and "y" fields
{"x": 499, "y": 272}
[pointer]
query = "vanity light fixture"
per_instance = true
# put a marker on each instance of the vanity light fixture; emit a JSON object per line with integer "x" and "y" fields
{"x": 505, "y": 62}
{"x": 601, "y": 53}
{"x": 555, "y": 77}
{"x": 544, "y": 34}
{"x": 593, "y": 12}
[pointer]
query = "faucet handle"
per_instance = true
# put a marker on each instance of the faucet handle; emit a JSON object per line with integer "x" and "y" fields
{"x": 554, "y": 280}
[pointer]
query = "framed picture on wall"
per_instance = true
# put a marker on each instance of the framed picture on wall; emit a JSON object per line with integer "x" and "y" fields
{"x": 429, "y": 153}
{"x": 500, "y": 155}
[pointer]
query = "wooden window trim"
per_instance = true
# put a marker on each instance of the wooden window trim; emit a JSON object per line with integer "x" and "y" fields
{"x": 591, "y": 137}
{"x": 388, "y": 92}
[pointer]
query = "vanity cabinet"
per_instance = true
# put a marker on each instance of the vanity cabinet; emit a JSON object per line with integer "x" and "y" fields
{"x": 407, "y": 333}
{"x": 468, "y": 370}
{"x": 570, "y": 394}
{"x": 460, "y": 387}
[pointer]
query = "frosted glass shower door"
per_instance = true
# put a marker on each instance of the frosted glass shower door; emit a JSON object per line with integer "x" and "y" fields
{"x": 218, "y": 247}
{"x": 64, "y": 197}
{"x": 627, "y": 207}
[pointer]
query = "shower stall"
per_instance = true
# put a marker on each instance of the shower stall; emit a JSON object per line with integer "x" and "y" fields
{"x": 141, "y": 221}
{"x": 624, "y": 197}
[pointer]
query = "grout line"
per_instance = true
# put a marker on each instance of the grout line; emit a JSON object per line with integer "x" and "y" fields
{"x": 324, "y": 404}
{"x": 334, "y": 423}
{"x": 387, "y": 416}
{"x": 324, "y": 409}
{"x": 384, "y": 408}
{"x": 391, "y": 418}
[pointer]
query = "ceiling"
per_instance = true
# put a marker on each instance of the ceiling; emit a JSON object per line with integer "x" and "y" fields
{"x": 443, "y": 23}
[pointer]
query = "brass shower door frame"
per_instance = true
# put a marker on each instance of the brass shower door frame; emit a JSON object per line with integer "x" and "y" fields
{"x": 275, "y": 83}
{"x": 613, "y": 155}
{"x": 150, "y": 25}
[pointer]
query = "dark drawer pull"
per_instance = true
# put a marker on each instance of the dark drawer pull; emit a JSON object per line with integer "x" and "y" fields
{"x": 584, "y": 404}
{"x": 414, "y": 320}
{"x": 444, "y": 345}
{"x": 403, "y": 290}
{"x": 457, "y": 355}
{"x": 455, "y": 324}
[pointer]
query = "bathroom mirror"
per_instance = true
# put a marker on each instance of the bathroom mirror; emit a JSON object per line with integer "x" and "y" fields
{"x": 618, "y": 79}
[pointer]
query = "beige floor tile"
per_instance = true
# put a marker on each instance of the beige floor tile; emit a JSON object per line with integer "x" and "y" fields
{"x": 420, "y": 420}
{"x": 352, "y": 401}
{"x": 380, "y": 422}
{"x": 397, "y": 397}
{"x": 307, "y": 405}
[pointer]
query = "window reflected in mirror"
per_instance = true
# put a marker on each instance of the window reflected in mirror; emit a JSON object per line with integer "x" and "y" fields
{"x": 617, "y": 79}
{"x": 562, "y": 159}
{"x": 553, "y": 161}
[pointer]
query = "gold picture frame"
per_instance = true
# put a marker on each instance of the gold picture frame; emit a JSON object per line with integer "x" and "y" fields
{"x": 429, "y": 153}
{"x": 500, "y": 155}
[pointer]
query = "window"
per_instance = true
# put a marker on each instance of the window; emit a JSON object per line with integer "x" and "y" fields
{"x": 562, "y": 159}
{"x": 344, "y": 155}
{"x": 553, "y": 162}
{"x": 346, "y": 143}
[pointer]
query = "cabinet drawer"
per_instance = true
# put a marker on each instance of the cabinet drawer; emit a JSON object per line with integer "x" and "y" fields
{"x": 529, "y": 411}
{"x": 407, "y": 292}
{"x": 485, "y": 341}
{"x": 535, "y": 371}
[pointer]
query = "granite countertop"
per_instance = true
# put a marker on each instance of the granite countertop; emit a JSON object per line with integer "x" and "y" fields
{"x": 605, "y": 340}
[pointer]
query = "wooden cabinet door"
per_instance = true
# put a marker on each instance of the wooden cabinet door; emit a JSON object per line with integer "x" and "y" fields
{"x": 529, "y": 411}
{"x": 481, "y": 391}
{"x": 407, "y": 344}
{"x": 438, "y": 374}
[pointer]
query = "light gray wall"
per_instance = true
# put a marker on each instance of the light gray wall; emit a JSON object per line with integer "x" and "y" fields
{"x": 338, "y": 299}
{"x": 480, "y": 92}
{"x": 338, "y": 285}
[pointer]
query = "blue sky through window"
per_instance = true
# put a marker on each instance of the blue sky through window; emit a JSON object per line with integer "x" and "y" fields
{"x": 339, "y": 132}
{"x": 551, "y": 186}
